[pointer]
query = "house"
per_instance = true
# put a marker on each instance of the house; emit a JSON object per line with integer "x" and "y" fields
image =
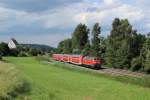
{"x": 12, "y": 44}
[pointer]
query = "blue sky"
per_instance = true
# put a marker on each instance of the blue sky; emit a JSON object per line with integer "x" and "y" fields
{"x": 50, "y": 21}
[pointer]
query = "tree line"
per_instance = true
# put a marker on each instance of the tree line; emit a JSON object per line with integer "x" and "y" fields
{"x": 24, "y": 50}
{"x": 123, "y": 48}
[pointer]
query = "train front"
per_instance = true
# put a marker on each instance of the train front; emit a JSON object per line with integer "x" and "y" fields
{"x": 97, "y": 62}
{"x": 92, "y": 62}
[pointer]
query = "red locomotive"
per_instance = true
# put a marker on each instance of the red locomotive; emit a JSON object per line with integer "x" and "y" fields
{"x": 92, "y": 62}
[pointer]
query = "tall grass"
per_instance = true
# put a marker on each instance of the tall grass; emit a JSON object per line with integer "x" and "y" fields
{"x": 42, "y": 58}
{"x": 11, "y": 82}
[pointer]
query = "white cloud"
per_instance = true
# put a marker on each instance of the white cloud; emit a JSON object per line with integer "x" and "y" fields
{"x": 105, "y": 15}
{"x": 148, "y": 25}
{"x": 10, "y": 18}
{"x": 66, "y": 17}
{"x": 109, "y": 2}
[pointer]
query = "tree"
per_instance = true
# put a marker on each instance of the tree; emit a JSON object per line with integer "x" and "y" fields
{"x": 86, "y": 50}
{"x": 4, "y": 49}
{"x": 110, "y": 53}
{"x": 96, "y": 40}
{"x": 80, "y": 38}
{"x": 33, "y": 52}
{"x": 147, "y": 62}
{"x": 145, "y": 54}
{"x": 0, "y": 57}
{"x": 103, "y": 46}
{"x": 65, "y": 46}
{"x": 120, "y": 44}
{"x": 136, "y": 44}
{"x": 60, "y": 47}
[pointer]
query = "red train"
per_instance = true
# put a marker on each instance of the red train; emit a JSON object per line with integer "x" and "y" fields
{"x": 92, "y": 62}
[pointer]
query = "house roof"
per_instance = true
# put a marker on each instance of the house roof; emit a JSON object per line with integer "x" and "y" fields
{"x": 14, "y": 41}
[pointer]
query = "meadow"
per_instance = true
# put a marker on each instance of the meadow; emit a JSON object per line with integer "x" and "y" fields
{"x": 50, "y": 81}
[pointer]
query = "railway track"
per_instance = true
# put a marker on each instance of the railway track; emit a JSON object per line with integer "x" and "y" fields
{"x": 111, "y": 71}
{"x": 115, "y": 72}
{"x": 120, "y": 72}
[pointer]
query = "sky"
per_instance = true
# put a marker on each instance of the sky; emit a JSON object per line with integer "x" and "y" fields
{"x": 50, "y": 21}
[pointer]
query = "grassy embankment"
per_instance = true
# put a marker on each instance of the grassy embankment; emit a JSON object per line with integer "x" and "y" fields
{"x": 54, "y": 82}
{"x": 11, "y": 83}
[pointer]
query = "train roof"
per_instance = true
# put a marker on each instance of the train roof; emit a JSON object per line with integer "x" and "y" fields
{"x": 74, "y": 55}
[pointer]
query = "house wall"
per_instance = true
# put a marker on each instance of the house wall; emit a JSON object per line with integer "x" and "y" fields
{"x": 11, "y": 45}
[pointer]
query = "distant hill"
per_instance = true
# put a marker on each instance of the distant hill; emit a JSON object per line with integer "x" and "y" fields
{"x": 40, "y": 46}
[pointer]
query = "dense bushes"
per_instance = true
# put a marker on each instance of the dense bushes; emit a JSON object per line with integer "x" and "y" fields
{"x": 12, "y": 83}
{"x": 22, "y": 54}
{"x": 34, "y": 52}
{"x": 147, "y": 62}
{"x": 4, "y": 49}
{"x": 136, "y": 64}
{"x": 0, "y": 57}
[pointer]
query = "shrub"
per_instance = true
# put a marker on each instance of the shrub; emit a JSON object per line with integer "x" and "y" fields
{"x": 0, "y": 57}
{"x": 22, "y": 54}
{"x": 136, "y": 64}
{"x": 4, "y": 49}
{"x": 147, "y": 63}
{"x": 33, "y": 52}
{"x": 14, "y": 52}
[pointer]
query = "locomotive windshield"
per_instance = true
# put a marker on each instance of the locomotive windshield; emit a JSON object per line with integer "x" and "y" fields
{"x": 96, "y": 59}
{"x": 88, "y": 58}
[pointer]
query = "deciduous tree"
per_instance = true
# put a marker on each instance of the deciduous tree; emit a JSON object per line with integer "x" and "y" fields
{"x": 96, "y": 40}
{"x": 80, "y": 38}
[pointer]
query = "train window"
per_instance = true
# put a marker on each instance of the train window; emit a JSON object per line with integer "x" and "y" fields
{"x": 88, "y": 58}
{"x": 96, "y": 59}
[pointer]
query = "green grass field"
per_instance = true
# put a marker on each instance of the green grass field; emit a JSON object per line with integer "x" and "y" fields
{"x": 50, "y": 82}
